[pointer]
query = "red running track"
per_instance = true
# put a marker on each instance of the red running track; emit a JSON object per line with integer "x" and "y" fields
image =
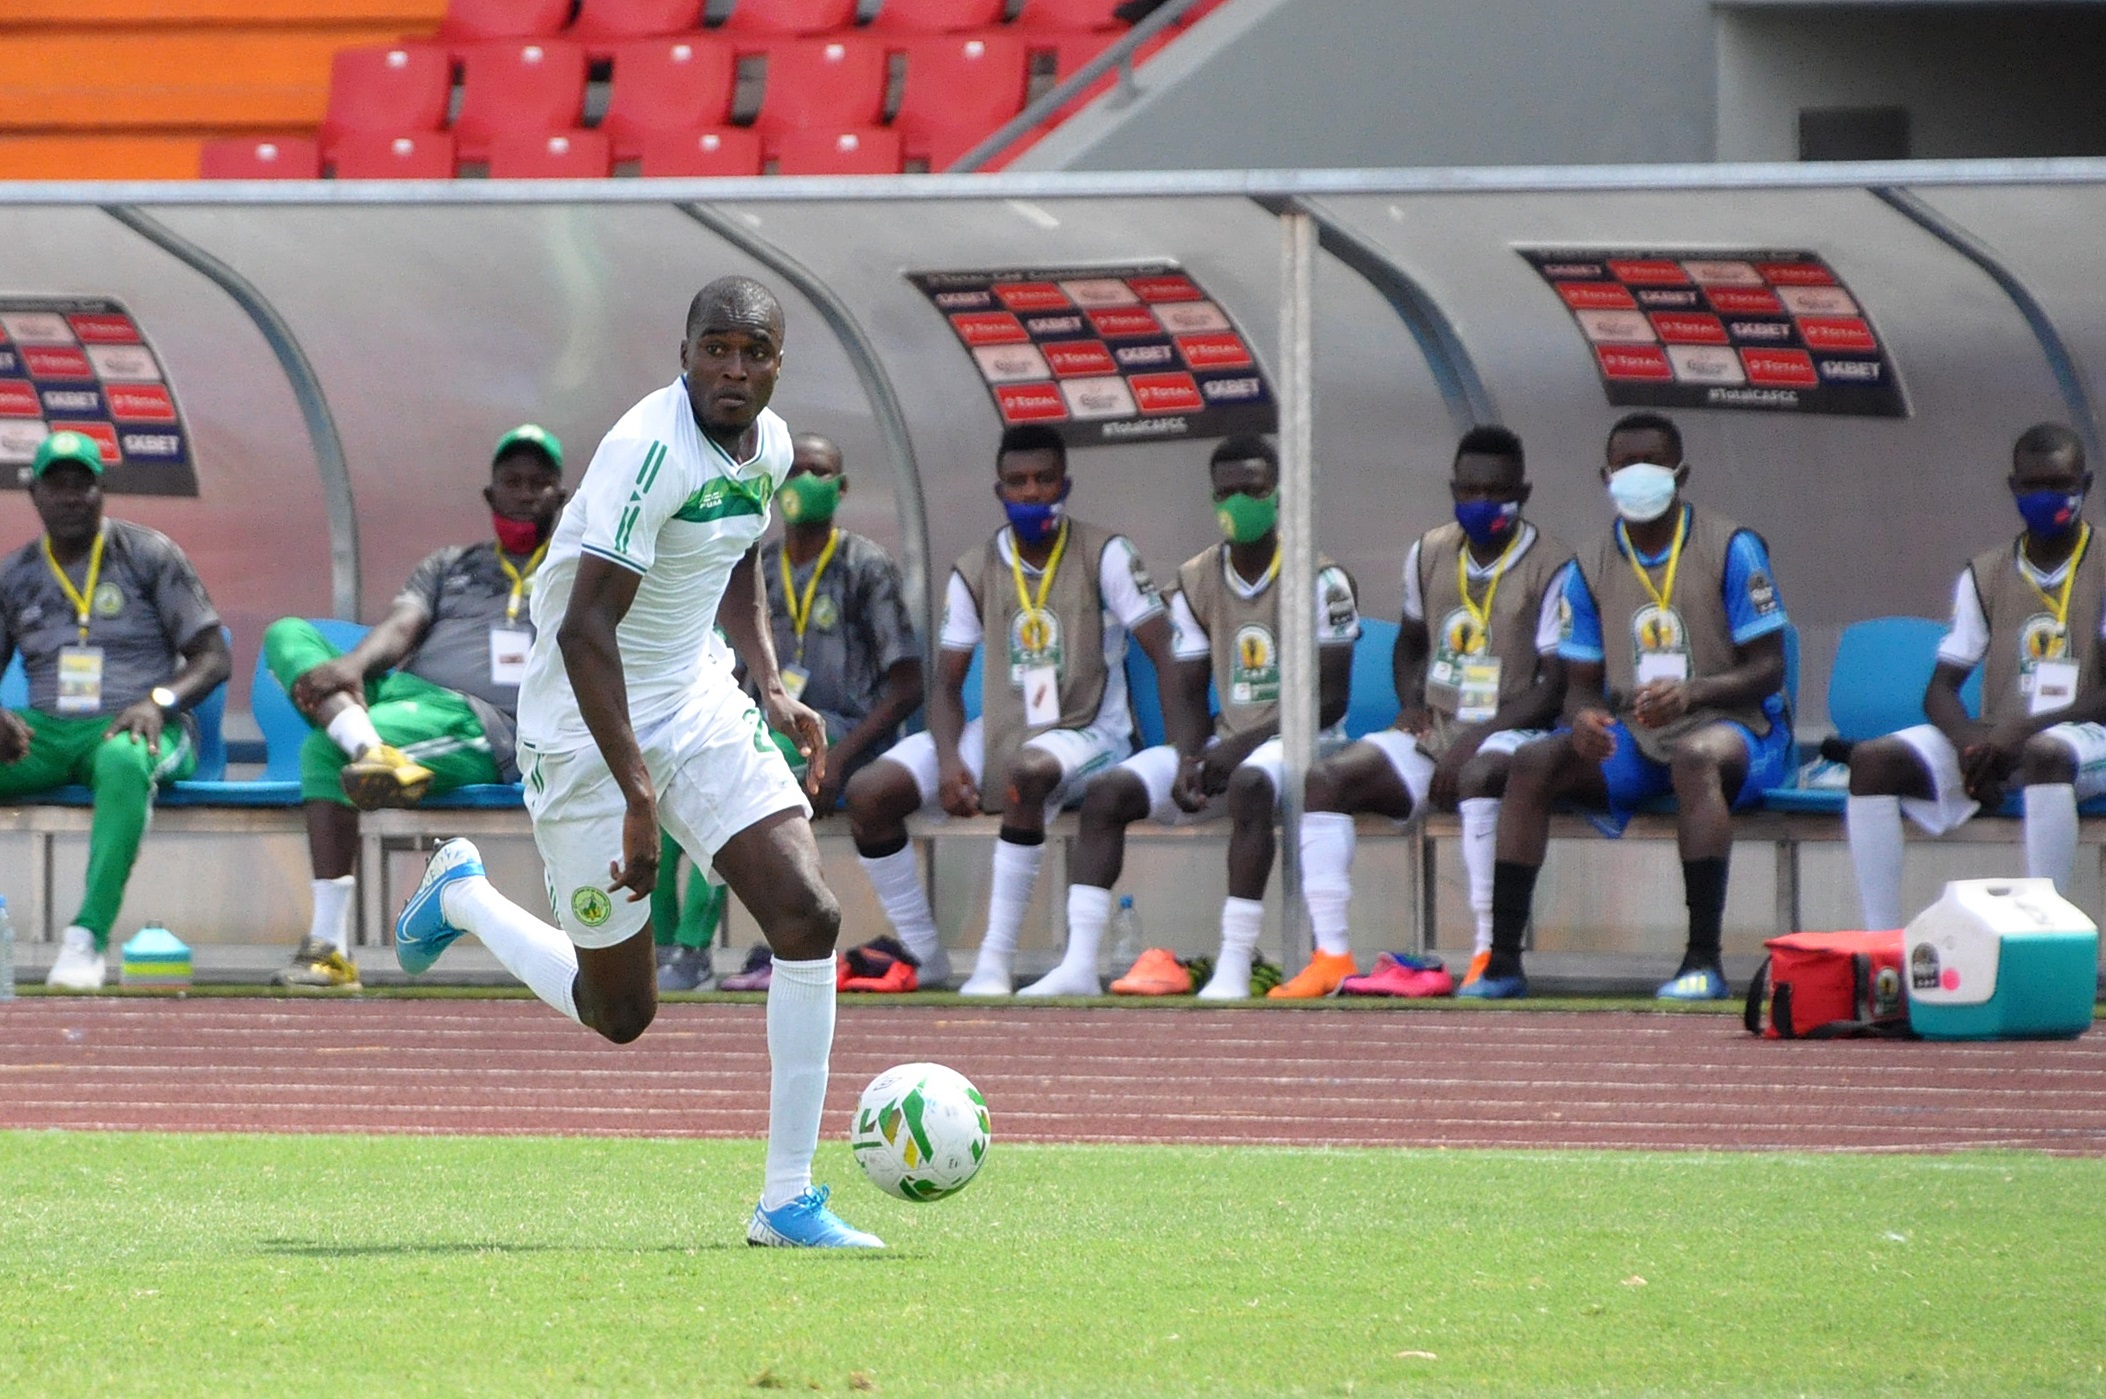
{"x": 1427, "y": 1078}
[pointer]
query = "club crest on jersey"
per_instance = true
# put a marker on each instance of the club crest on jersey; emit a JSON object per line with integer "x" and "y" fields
{"x": 2042, "y": 638}
{"x": 1658, "y": 631}
{"x": 1254, "y": 667}
{"x": 824, "y": 614}
{"x": 109, "y": 599}
{"x": 1034, "y": 640}
{"x": 1462, "y": 635}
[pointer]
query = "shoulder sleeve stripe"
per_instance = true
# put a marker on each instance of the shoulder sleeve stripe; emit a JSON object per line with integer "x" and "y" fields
{"x": 613, "y": 558}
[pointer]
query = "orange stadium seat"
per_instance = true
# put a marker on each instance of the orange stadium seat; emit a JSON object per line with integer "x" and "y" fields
{"x": 959, "y": 88}
{"x": 425, "y": 155}
{"x": 678, "y": 85}
{"x": 1067, "y": 14}
{"x": 602, "y": 24}
{"x": 141, "y": 13}
{"x": 474, "y": 21}
{"x": 790, "y": 16}
{"x": 687, "y": 154}
{"x": 387, "y": 88}
{"x": 936, "y": 16}
{"x": 525, "y": 85}
{"x": 837, "y": 83}
{"x": 559, "y": 155}
{"x": 833, "y": 151}
{"x": 261, "y": 158}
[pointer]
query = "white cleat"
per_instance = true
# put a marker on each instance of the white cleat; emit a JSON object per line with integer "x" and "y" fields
{"x": 990, "y": 976}
{"x": 79, "y": 967}
{"x": 1065, "y": 980}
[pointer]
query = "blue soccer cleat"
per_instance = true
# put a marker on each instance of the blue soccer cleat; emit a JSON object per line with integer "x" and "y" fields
{"x": 1495, "y": 988}
{"x": 1700, "y": 984}
{"x": 806, "y": 1222}
{"x": 421, "y": 929}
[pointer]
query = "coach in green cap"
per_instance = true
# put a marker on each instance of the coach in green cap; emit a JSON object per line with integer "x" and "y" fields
{"x": 425, "y": 702}
{"x": 119, "y": 641}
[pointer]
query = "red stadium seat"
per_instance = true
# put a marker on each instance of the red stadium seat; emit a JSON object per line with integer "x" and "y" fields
{"x": 424, "y": 155}
{"x": 790, "y": 16}
{"x": 261, "y": 158}
{"x": 1068, "y": 14}
{"x": 832, "y": 151}
{"x": 602, "y": 24}
{"x": 959, "y": 88}
{"x": 474, "y": 21}
{"x": 836, "y": 83}
{"x": 559, "y": 155}
{"x": 387, "y": 89}
{"x": 936, "y": 16}
{"x": 686, "y": 154}
{"x": 532, "y": 86}
{"x": 678, "y": 85}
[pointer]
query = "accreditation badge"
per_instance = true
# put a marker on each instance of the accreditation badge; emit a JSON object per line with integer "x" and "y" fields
{"x": 508, "y": 655}
{"x": 80, "y": 680}
{"x": 2054, "y": 687}
{"x": 1041, "y": 695}
{"x": 1661, "y": 643}
{"x": 1479, "y": 687}
{"x": 794, "y": 679}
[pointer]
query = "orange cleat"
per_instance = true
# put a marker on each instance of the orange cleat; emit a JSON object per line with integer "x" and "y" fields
{"x": 1477, "y": 965}
{"x": 1156, "y": 972}
{"x": 1319, "y": 978}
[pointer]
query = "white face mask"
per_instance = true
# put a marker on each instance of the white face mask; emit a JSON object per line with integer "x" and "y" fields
{"x": 1642, "y": 491}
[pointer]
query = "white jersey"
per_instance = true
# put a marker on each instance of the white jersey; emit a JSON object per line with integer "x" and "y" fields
{"x": 663, "y": 501}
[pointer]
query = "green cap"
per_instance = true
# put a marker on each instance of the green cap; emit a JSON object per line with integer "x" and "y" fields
{"x": 67, "y": 445}
{"x": 530, "y": 435}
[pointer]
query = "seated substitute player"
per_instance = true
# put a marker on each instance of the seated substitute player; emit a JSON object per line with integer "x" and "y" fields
{"x": 1674, "y": 655}
{"x": 1477, "y": 676}
{"x": 425, "y": 702}
{"x": 628, "y": 720}
{"x": 2030, "y": 611}
{"x": 1056, "y": 598}
{"x": 1226, "y": 615}
{"x": 119, "y": 641}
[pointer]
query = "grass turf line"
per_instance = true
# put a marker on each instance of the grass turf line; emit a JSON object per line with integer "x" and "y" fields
{"x": 150, "y": 1264}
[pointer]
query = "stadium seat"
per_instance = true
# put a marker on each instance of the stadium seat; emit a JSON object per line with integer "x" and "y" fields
{"x": 514, "y": 85}
{"x": 1373, "y": 703}
{"x": 935, "y": 16}
{"x": 557, "y": 155}
{"x": 601, "y": 25}
{"x": 790, "y": 16}
{"x": 829, "y": 83}
{"x": 870, "y": 150}
{"x": 260, "y": 158}
{"x": 389, "y": 89}
{"x": 959, "y": 89}
{"x": 680, "y": 86}
{"x": 427, "y": 155}
{"x": 476, "y": 21}
{"x": 691, "y": 154}
{"x": 1067, "y": 14}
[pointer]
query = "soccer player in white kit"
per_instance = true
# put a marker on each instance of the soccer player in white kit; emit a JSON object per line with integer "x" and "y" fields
{"x": 629, "y": 719}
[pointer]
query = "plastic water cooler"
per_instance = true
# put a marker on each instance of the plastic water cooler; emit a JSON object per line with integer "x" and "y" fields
{"x": 2001, "y": 959}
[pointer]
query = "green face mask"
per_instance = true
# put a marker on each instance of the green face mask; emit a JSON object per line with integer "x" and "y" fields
{"x": 808, "y": 499}
{"x": 1244, "y": 518}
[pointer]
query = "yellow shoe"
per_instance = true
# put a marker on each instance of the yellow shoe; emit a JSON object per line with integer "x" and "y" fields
{"x": 317, "y": 966}
{"x": 1319, "y": 978}
{"x": 384, "y": 777}
{"x": 1477, "y": 965}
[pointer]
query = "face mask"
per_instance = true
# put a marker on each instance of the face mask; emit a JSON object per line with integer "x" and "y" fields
{"x": 1488, "y": 521}
{"x": 516, "y": 536}
{"x": 1036, "y": 523}
{"x": 2050, "y": 514}
{"x": 1642, "y": 491}
{"x": 809, "y": 499}
{"x": 1245, "y": 519}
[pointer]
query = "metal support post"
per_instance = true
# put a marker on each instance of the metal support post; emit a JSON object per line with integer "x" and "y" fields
{"x": 1299, "y": 695}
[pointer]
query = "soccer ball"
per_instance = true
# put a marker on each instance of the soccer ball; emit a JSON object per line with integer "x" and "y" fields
{"x": 920, "y": 1131}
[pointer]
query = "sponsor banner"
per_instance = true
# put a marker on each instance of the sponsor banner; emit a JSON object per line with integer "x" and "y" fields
{"x": 1105, "y": 354}
{"x": 84, "y": 363}
{"x": 1771, "y": 330}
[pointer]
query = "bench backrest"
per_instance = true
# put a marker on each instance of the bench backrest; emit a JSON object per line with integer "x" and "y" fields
{"x": 1881, "y": 668}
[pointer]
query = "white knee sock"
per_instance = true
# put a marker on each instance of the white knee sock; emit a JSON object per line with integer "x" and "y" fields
{"x": 332, "y": 910}
{"x": 1241, "y": 922}
{"x": 800, "y": 1040}
{"x": 530, "y": 949}
{"x": 352, "y": 730}
{"x": 1015, "y": 872}
{"x": 1327, "y": 877}
{"x": 1480, "y": 848}
{"x": 1874, "y": 827}
{"x": 897, "y": 880}
{"x": 1089, "y": 910}
{"x": 2051, "y": 832}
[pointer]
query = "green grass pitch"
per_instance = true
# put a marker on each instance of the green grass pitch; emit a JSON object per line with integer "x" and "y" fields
{"x": 330, "y": 1265}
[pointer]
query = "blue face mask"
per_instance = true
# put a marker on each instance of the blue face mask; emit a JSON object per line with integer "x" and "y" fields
{"x": 1036, "y": 523}
{"x": 1488, "y": 522}
{"x": 2050, "y": 514}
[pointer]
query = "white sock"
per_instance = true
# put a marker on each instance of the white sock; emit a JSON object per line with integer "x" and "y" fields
{"x": 530, "y": 949}
{"x": 2051, "y": 832}
{"x": 1089, "y": 910}
{"x": 1327, "y": 877}
{"x": 897, "y": 880}
{"x": 800, "y": 1040}
{"x": 352, "y": 730}
{"x": 1015, "y": 872}
{"x": 332, "y": 910}
{"x": 1241, "y": 922}
{"x": 1480, "y": 848}
{"x": 1874, "y": 827}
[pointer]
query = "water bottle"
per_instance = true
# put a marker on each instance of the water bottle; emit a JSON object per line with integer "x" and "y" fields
{"x": 1126, "y": 944}
{"x": 7, "y": 953}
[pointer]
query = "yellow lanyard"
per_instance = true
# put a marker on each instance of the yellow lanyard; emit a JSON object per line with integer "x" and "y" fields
{"x": 1662, "y": 596}
{"x": 1482, "y": 616}
{"x": 519, "y": 579}
{"x": 2058, "y": 606}
{"x": 1045, "y": 580}
{"x": 83, "y": 598}
{"x": 801, "y": 612}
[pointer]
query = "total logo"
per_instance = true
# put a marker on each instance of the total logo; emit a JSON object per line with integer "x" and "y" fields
{"x": 1030, "y": 403}
{"x": 1167, "y": 393}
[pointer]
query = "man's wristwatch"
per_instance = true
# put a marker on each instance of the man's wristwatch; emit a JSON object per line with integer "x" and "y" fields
{"x": 164, "y": 700}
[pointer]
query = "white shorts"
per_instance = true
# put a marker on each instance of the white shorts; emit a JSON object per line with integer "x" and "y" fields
{"x": 1081, "y": 753}
{"x": 716, "y": 771}
{"x": 1415, "y": 769}
{"x": 1949, "y": 806}
{"x": 1157, "y": 769}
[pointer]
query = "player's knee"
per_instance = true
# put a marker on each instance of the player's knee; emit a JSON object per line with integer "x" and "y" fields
{"x": 1880, "y": 767}
{"x": 1105, "y": 803}
{"x": 1536, "y": 766}
{"x": 1250, "y": 795}
{"x": 282, "y": 636}
{"x": 122, "y": 763}
{"x": 1694, "y": 765}
{"x": 883, "y": 790}
{"x": 2046, "y": 760}
{"x": 624, "y": 1021}
{"x": 1483, "y": 776}
{"x": 1033, "y": 776}
{"x": 1322, "y": 788}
